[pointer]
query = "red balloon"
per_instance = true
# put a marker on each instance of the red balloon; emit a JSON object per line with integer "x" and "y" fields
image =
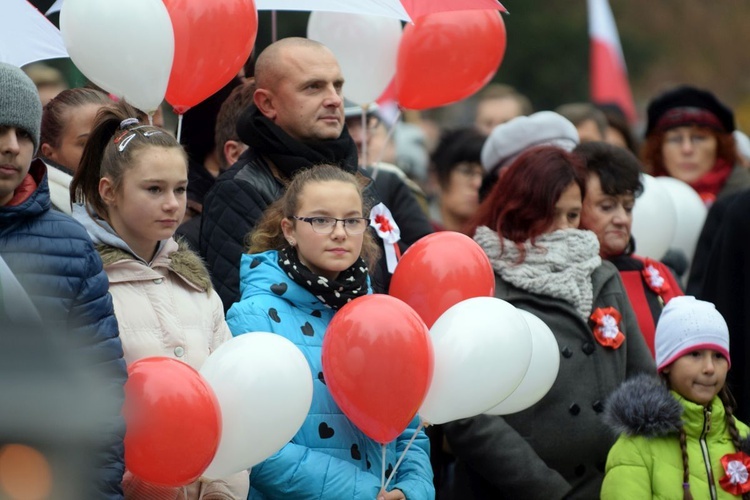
{"x": 173, "y": 422}
{"x": 377, "y": 362}
{"x": 439, "y": 271}
{"x": 447, "y": 56}
{"x": 212, "y": 41}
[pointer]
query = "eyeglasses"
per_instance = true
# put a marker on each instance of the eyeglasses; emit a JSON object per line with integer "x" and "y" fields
{"x": 678, "y": 139}
{"x": 470, "y": 170}
{"x": 325, "y": 225}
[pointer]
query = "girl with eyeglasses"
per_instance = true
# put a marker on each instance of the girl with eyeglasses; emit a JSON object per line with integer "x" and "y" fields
{"x": 308, "y": 257}
{"x": 129, "y": 192}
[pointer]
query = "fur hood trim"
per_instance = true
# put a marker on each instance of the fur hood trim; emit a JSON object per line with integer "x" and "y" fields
{"x": 183, "y": 261}
{"x": 643, "y": 406}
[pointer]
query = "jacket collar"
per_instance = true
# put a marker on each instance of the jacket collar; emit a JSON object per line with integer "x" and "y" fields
{"x": 260, "y": 275}
{"x": 172, "y": 256}
{"x": 643, "y": 406}
{"x": 34, "y": 202}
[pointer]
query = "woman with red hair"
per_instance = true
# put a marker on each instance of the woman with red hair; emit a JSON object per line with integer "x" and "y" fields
{"x": 528, "y": 227}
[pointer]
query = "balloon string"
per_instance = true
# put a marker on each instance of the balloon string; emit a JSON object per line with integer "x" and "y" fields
{"x": 403, "y": 453}
{"x": 388, "y": 138}
{"x": 382, "y": 468}
{"x": 179, "y": 126}
{"x": 364, "y": 137}
{"x": 274, "y": 34}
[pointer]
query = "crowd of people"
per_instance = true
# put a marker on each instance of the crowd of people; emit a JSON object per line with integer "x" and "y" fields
{"x": 129, "y": 243}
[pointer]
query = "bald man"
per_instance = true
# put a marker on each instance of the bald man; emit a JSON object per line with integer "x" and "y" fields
{"x": 296, "y": 121}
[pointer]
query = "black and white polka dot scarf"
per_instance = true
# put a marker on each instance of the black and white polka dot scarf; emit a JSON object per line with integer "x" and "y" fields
{"x": 350, "y": 284}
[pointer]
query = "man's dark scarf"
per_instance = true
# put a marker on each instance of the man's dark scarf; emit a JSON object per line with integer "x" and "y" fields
{"x": 290, "y": 155}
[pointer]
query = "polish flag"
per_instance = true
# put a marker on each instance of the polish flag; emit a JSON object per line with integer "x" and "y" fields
{"x": 608, "y": 74}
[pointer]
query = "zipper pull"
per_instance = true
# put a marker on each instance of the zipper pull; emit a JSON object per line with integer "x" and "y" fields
{"x": 706, "y": 420}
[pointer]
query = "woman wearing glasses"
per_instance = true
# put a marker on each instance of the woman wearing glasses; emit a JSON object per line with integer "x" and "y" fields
{"x": 308, "y": 257}
{"x": 689, "y": 137}
{"x": 457, "y": 169}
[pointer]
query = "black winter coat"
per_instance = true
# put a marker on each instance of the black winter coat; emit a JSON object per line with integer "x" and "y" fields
{"x": 726, "y": 283}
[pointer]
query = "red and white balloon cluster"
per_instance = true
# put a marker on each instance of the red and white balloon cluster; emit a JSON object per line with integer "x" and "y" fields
{"x": 149, "y": 50}
{"x": 183, "y": 424}
{"x": 441, "y": 58}
{"x": 440, "y": 345}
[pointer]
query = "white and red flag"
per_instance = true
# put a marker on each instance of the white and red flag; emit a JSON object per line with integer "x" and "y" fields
{"x": 608, "y": 75}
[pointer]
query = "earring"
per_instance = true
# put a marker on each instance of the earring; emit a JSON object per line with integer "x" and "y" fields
{"x": 291, "y": 243}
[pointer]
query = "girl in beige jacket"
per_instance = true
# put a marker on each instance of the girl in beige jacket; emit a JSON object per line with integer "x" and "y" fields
{"x": 130, "y": 194}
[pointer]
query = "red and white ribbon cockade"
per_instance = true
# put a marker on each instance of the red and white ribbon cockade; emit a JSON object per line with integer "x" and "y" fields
{"x": 607, "y": 327}
{"x": 654, "y": 279}
{"x": 736, "y": 467}
{"x": 382, "y": 220}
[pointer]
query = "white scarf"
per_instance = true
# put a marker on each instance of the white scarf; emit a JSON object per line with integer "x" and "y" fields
{"x": 558, "y": 265}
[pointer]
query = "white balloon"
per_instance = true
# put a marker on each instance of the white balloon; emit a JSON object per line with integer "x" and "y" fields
{"x": 654, "y": 220}
{"x": 366, "y": 48}
{"x": 691, "y": 214}
{"x": 482, "y": 350}
{"x": 126, "y": 48}
{"x": 542, "y": 372}
{"x": 264, "y": 387}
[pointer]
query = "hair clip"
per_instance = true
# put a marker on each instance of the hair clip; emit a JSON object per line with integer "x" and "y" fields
{"x": 127, "y": 122}
{"x": 126, "y": 135}
{"x": 121, "y": 147}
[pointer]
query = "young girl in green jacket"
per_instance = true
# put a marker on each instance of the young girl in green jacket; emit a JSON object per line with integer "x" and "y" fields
{"x": 678, "y": 436}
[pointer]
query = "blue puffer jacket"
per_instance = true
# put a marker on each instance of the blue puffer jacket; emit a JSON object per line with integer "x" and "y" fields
{"x": 329, "y": 457}
{"x": 53, "y": 258}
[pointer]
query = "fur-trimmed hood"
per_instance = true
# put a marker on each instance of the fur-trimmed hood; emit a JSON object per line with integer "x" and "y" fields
{"x": 176, "y": 256}
{"x": 643, "y": 406}
{"x": 650, "y": 457}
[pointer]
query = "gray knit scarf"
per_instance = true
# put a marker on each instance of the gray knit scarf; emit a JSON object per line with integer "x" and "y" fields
{"x": 558, "y": 265}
